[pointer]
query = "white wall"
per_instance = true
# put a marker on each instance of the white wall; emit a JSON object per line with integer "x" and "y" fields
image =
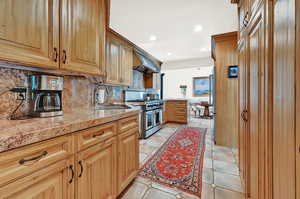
{"x": 176, "y": 77}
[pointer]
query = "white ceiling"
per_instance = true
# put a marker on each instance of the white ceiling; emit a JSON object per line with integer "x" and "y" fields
{"x": 173, "y": 23}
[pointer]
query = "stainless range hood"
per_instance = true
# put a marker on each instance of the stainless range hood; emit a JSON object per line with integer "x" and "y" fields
{"x": 145, "y": 65}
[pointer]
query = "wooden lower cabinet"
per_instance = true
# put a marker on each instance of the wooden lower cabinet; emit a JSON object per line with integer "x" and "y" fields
{"x": 96, "y": 171}
{"x": 128, "y": 158}
{"x": 100, "y": 165}
{"x": 176, "y": 111}
{"x": 52, "y": 182}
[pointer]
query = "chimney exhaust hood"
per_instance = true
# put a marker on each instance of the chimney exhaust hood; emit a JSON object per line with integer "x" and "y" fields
{"x": 145, "y": 65}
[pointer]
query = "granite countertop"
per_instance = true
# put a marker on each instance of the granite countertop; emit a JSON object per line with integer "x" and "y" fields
{"x": 17, "y": 133}
{"x": 175, "y": 99}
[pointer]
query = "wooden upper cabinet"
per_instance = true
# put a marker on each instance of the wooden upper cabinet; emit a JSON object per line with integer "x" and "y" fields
{"x": 119, "y": 63}
{"x": 51, "y": 182}
{"x": 83, "y": 36}
{"x": 96, "y": 171}
{"x": 112, "y": 61}
{"x": 29, "y": 32}
{"x": 126, "y": 66}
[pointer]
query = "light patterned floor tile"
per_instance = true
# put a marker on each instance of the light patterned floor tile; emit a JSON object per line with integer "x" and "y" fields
{"x": 208, "y": 176}
{"x": 135, "y": 191}
{"x": 208, "y": 163}
{"x": 227, "y": 181}
{"x": 227, "y": 194}
{"x": 226, "y": 167}
{"x": 158, "y": 194}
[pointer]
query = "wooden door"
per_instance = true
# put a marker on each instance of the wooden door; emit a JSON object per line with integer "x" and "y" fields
{"x": 128, "y": 158}
{"x": 126, "y": 65}
{"x": 29, "y": 32}
{"x": 53, "y": 182}
{"x": 256, "y": 107}
{"x": 243, "y": 110}
{"x": 83, "y": 36}
{"x": 113, "y": 61}
{"x": 96, "y": 171}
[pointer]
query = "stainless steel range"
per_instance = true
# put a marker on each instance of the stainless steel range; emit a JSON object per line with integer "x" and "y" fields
{"x": 151, "y": 106}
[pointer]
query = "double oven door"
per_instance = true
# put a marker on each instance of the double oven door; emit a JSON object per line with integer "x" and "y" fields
{"x": 153, "y": 118}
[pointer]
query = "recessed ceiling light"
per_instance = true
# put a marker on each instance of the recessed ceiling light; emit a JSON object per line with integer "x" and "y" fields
{"x": 153, "y": 38}
{"x": 169, "y": 54}
{"x": 198, "y": 28}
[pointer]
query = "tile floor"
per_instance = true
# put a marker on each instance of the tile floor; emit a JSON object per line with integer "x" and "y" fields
{"x": 221, "y": 178}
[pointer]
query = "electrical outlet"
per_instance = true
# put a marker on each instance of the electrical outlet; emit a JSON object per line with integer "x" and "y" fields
{"x": 20, "y": 93}
{"x": 100, "y": 96}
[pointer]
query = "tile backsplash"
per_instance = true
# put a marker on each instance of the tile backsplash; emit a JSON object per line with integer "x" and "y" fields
{"x": 78, "y": 91}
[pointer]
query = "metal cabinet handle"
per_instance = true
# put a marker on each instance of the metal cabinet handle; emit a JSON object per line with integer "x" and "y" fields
{"x": 243, "y": 115}
{"x": 55, "y": 53}
{"x": 23, "y": 161}
{"x": 64, "y": 58}
{"x": 99, "y": 134}
{"x": 81, "y": 168}
{"x": 73, "y": 174}
{"x": 245, "y": 21}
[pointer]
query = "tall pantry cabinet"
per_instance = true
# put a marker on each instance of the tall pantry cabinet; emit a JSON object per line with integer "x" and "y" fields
{"x": 269, "y": 88}
{"x": 255, "y": 88}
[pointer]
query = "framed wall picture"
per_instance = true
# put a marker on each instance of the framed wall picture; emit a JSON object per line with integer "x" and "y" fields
{"x": 233, "y": 71}
{"x": 201, "y": 86}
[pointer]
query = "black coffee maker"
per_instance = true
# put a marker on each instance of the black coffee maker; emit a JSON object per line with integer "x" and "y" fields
{"x": 46, "y": 95}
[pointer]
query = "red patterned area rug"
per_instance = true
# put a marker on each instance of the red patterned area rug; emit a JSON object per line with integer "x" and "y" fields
{"x": 179, "y": 162}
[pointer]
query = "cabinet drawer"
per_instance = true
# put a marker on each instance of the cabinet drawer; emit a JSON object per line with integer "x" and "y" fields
{"x": 180, "y": 110}
{"x": 180, "y": 118}
{"x": 128, "y": 124}
{"x": 180, "y": 106}
{"x": 25, "y": 160}
{"x": 94, "y": 135}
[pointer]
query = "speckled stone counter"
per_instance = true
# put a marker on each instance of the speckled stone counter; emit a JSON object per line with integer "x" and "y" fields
{"x": 176, "y": 99}
{"x": 14, "y": 134}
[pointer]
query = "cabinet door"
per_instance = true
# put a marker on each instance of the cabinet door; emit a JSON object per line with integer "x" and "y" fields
{"x": 96, "y": 171}
{"x": 243, "y": 110}
{"x": 126, "y": 65}
{"x": 83, "y": 36}
{"x": 52, "y": 182}
{"x": 29, "y": 32}
{"x": 113, "y": 61}
{"x": 256, "y": 106}
{"x": 128, "y": 158}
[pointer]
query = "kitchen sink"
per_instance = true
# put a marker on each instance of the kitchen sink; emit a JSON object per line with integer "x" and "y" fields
{"x": 112, "y": 107}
